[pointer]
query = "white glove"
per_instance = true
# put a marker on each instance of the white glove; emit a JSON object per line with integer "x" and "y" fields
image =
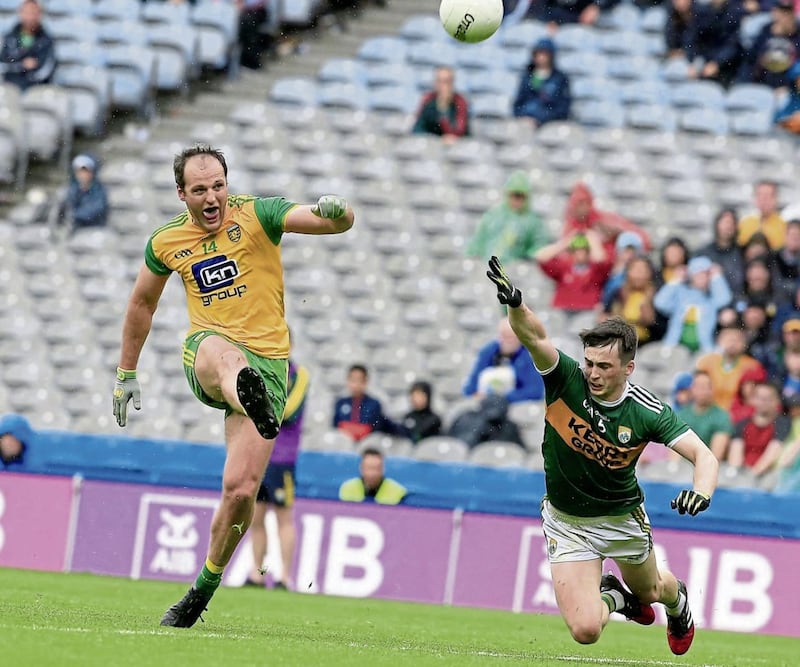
{"x": 331, "y": 207}
{"x": 126, "y": 388}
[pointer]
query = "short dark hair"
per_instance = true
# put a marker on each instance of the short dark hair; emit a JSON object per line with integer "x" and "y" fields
{"x": 613, "y": 331}
{"x": 371, "y": 451}
{"x": 769, "y": 384}
{"x": 360, "y": 368}
{"x": 179, "y": 164}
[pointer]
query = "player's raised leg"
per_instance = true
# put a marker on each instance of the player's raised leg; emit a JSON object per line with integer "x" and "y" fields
{"x": 649, "y": 585}
{"x": 576, "y": 587}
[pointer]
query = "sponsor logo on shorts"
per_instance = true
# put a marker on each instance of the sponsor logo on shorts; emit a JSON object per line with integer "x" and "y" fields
{"x": 552, "y": 546}
{"x": 234, "y": 233}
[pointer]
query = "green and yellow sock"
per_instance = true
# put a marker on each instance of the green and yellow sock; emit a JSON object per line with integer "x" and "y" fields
{"x": 210, "y": 578}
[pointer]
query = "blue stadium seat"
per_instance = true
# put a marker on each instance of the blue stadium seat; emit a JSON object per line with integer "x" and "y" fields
{"x": 750, "y": 97}
{"x": 166, "y": 12}
{"x": 675, "y": 70}
{"x": 622, "y": 17}
{"x": 295, "y": 91}
{"x": 57, "y": 8}
{"x": 625, "y": 43}
{"x": 491, "y": 105}
{"x": 752, "y": 123}
{"x": 592, "y": 88}
{"x": 423, "y": 28}
{"x": 656, "y": 117}
{"x": 123, "y": 32}
{"x": 583, "y": 63}
{"x": 403, "y": 99}
{"x": 73, "y": 28}
{"x": 697, "y": 94}
{"x": 432, "y": 54}
{"x": 486, "y": 55}
{"x": 116, "y": 10}
{"x": 751, "y": 25}
{"x": 524, "y": 34}
{"x": 342, "y": 95}
{"x": 384, "y": 50}
{"x": 217, "y": 24}
{"x": 600, "y": 113}
{"x": 653, "y": 91}
{"x": 387, "y": 74}
{"x": 629, "y": 68}
{"x": 501, "y": 82}
{"x": 133, "y": 77}
{"x": 654, "y": 20}
{"x": 82, "y": 53}
{"x": 341, "y": 69}
{"x": 89, "y": 88}
{"x": 177, "y": 55}
{"x": 704, "y": 121}
{"x": 574, "y": 37}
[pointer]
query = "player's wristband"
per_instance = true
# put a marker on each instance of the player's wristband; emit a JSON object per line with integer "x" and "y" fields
{"x": 123, "y": 375}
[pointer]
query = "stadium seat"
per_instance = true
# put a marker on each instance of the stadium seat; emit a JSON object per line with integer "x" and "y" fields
{"x": 697, "y": 94}
{"x": 583, "y": 63}
{"x": 89, "y": 89}
{"x": 752, "y": 123}
{"x": 624, "y": 43}
{"x": 175, "y": 15}
{"x": 751, "y": 25}
{"x": 576, "y": 37}
{"x": 594, "y": 89}
{"x": 384, "y": 50}
{"x": 600, "y": 113}
{"x": 293, "y": 91}
{"x": 654, "y": 20}
{"x": 497, "y": 454}
{"x": 389, "y": 445}
{"x": 75, "y": 28}
{"x": 393, "y": 98}
{"x": 653, "y": 92}
{"x": 523, "y": 35}
{"x": 704, "y": 120}
{"x": 48, "y": 125}
{"x": 342, "y": 95}
{"x": 441, "y": 448}
{"x": 422, "y": 28}
{"x": 750, "y": 97}
{"x": 67, "y": 8}
{"x": 133, "y": 78}
{"x": 628, "y": 68}
{"x": 177, "y": 56}
{"x": 432, "y": 54}
{"x": 347, "y": 70}
{"x": 116, "y": 10}
{"x": 217, "y": 26}
{"x": 13, "y": 146}
{"x": 621, "y": 17}
{"x": 675, "y": 70}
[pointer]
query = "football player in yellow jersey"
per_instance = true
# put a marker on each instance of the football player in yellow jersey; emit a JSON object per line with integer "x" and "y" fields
{"x": 226, "y": 250}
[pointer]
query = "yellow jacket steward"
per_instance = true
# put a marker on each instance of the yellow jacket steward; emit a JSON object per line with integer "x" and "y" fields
{"x": 389, "y": 492}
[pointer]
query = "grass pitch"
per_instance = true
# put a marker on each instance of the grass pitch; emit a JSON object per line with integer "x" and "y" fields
{"x": 59, "y": 619}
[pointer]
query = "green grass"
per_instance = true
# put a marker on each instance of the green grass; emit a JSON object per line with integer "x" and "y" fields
{"x": 64, "y": 620}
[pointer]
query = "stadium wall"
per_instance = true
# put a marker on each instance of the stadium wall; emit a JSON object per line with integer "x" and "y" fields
{"x": 440, "y": 556}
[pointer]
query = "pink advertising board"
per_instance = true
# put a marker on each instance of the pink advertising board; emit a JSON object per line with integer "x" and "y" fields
{"x": 744, "y": 584}
{"x": 34, "y": 521}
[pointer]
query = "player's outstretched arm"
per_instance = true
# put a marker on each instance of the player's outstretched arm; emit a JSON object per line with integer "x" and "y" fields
{"x": 706, "y": 467}
{"x": 525, "y": 324}
{"x": 138, "y": 320}
{"x": 330, "y": 215}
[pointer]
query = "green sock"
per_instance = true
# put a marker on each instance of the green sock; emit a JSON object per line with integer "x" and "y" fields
{"x": 208, "y": 581}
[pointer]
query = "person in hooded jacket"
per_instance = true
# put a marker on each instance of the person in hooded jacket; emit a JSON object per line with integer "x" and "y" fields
{"x": 581, "y": 214}
{"x": 421, "y": 421}
{"x": 510, "y": 230}
{"x": 543, "y": 94}
{"x": 87, "y": 200}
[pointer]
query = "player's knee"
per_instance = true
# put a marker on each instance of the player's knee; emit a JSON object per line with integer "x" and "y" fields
{"x": 650, "y": 595}
{"x": 586, "y": 632}
{"x": 233, "y": 360}
{"x": 240, "y": 490}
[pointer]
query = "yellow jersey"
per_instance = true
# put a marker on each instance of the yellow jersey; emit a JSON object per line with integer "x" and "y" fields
{"x": 233, "y": 277}
{"x": 774, "y": 228}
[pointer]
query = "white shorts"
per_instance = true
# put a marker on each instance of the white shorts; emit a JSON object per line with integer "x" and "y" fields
{"x": 625, "y": 538}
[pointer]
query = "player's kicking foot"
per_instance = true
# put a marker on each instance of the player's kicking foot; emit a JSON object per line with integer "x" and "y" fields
{"x": 184, "y": 613}
{"x": 680, "y": 628}
{"x": 254, "y": 398}
{"x": 633, "y": 609}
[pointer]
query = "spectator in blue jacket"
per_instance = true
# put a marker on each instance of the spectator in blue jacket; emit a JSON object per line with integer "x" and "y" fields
{"x": 504, "y": 367}
{"x": 28, "y": 55}
{"x": 359, "y": 414}
{"x": 543, "y": 93}
{"x": 87, "y": 201}
{"x": 15, "y": 436}
{"x": 691, "y": 302}
{"x": 559, "y": 12}
{"x": 774, "y": 50}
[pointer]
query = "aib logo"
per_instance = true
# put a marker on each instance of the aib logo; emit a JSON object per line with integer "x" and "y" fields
{"x": 215, "y": 273}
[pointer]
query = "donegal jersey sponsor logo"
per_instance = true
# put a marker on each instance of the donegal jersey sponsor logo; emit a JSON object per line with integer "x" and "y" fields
{"x": 215, "y": 273}
{"x": 577, "y": 433}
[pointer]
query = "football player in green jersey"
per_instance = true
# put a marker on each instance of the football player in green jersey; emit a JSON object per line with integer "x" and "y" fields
{"x": 226, "y": 250}
{"x": 597, "y": 423}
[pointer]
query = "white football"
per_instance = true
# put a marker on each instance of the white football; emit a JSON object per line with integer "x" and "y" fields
{"x": 471, "y": 20}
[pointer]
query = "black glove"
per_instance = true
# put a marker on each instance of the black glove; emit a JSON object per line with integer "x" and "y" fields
{"x": 507, "y": 294}
{"x": 691, "y": 502}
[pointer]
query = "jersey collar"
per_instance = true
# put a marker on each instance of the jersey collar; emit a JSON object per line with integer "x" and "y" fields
{"x": 614, "y": 404}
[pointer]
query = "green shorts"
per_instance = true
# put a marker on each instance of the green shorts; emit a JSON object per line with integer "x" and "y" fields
{"x": 274, "y": 372}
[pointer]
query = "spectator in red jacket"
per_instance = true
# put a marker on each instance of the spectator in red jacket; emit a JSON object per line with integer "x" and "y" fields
{"x": 580, "y": 266}
{"x": 581, "y": 215}
{"x": 443, "y": 111}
